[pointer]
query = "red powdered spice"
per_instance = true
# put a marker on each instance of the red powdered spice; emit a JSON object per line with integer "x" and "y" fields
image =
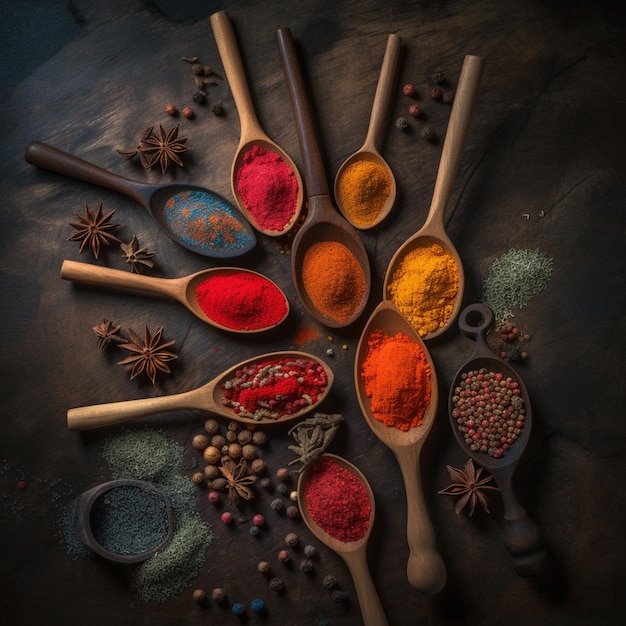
{"x": 337, "y": 501}
{"x": 267, "y": 187}
{"x": 241, "y": 301}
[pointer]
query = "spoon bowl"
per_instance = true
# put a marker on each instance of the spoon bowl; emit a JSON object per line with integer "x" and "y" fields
{"x": 353, "y": 553}
{"x": 181, "y": 289}
{"x": 433, "y": 230}
{"x": 225, "y": 233}
{"x": 369, "y": 151}
{"x": 521, "y": 535}
{"x": 251, "y": 133}
{"x": 425, "y": 568}
{"x": 208, "y": 397}
{"x": 323, "y": 222}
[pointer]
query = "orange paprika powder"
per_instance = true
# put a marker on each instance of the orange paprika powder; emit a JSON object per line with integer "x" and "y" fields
{"x": 397, "y": 376}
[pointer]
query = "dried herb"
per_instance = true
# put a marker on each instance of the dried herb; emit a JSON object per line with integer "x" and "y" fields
{"x": 94, "y": 230}
{"x": 313, "y": 436}
{"x": 108, "y": 332}
{"x": 468, "y": 484}
{"x": 137, "y": 257}
{"x": 148, "y": 354}
{"x": 238, "y": 480}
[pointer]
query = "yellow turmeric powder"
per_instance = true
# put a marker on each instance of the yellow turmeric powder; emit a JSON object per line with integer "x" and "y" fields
{"x": 362, "y": 190}
{"x": 424, "y": 287}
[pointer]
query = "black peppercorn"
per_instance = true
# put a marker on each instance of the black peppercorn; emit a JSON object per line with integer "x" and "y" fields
{"x": 402, "y": 123}
{"x": 217, "y": 108}
{"x": 427, "y": 133}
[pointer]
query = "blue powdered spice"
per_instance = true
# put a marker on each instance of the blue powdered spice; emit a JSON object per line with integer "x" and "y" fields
{"x": 203, "y": 220}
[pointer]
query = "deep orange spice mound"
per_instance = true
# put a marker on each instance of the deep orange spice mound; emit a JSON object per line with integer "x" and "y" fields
{"x": 396, "y": 374}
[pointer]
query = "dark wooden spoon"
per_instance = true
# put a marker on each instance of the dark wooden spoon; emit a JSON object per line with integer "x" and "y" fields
{"x": 154, "y": 199}
{"x": 521, "y": 534}
{"x": 323, "y": 222}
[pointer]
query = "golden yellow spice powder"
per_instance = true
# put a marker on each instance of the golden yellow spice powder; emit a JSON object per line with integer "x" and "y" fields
{"x": 362, "y": 190}
{"x": 424, "y": 287}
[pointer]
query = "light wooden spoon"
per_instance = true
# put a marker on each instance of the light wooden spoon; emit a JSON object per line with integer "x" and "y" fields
{"x": 353, "y": 553}
{"x": 208, "y": 397}
{"x": 433, "y": 231}
{"x": 323, "y": 222}
{"x": 425, "y": 568}
{"x": 251, "y": 132}
{"x": 521, "y": 534}
{"x": 181, "y": 289}
{"x": 369, "y": 151}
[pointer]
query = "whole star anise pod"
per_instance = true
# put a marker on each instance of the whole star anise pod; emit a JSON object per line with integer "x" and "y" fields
{"x": 94, "y": 229}
{"x": 238, "y": 480}
{"x": 136, "y": 256}
{"x": 468, "y": 484}
{"x": 163, "y": 148}
{"x": 108, "y": 332}
{"x": 147, "y": 354}
{"x": 138, "y": 150}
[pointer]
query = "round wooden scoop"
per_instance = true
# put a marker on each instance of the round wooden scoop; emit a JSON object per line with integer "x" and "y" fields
{"x": 322, "y": 223}
{"x": 208, "y": 397}
{"x": 353, "y": 553}
{"x": 433, "y": 230}
{"x": 369, "y": 150}
{"x": 251, "y": 132}
{"x": 521, "y": 535}
{"x": 425, "y": 568}
{"x": 152, "y": 197}
{"x": 181, "y": 289}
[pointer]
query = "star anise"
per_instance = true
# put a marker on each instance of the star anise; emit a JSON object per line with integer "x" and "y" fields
{"x": 163, "y": 148}
{"x": 108, "y": 332}
{"x": 136, "y": 256}
{"x": 94, "y": 229}
{"x": 238, "y": 480}
{"x": 148, "y": 354}
{"x": 468, "y": 484}
{"x": 143, "y": 159}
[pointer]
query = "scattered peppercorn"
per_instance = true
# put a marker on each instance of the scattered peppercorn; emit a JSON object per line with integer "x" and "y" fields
{"x": 292, "y": 511}
{"x": 257, "y": 466}
{"x": 414, "y": 110}
{"x": 293, "y": 496}
{"x": 257, "y": 605}
{"x": 263, "y": 567}
{"x": 212, "y": 426}
{"x": 188, "y": 112}
{"x": 218, "y": 594}
{"x": 198, "y": 478}
{"x": 200, "y": 442}
{"x": 434, "y": 93}
{"x": 402, "y": 123}
{"x": 276, "y": 504}
{"x": 227, "y": 517}
{"x": 199, "y": 97}
{"x": 258, "y": 520}
{"x": 282, "y": 473}
{"x": 283, "y": 556}
{"x": 20, "y": 485}
{"x": 259, "y": 438}
{"x": 408, "y": 89}
{"x": 329, "y": 581}
{"x": 438, "y": 78}
{"x": 171, "y": 109}
{"x": 310, "y": 551}
{"x": 213, "y": 497}
{"x": 199, "y": 595}
{"x": 238, "y": 609}
{"x": 276, "y": 584}
{"x": 211, "y": 472}
{"x": 282, "y": 489}
{"x": 254, "y": 531}
{"x": 217, "y": 108}
{"x": 292, "y": 540}
{"x": 427, "y": 133}
{"x": 448, "y": 97}
{"x": 339, "y": 596}
{"x": 266, "y": 483}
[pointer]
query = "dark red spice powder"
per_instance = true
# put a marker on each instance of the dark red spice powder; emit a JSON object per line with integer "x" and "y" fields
{"x": 267, "y": 187}
{"x": 242, "y": 301}
{"x": 337, "y": 501}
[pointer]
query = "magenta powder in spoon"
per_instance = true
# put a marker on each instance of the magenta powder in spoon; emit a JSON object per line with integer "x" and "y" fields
{"x": 241, "y": 301}
{"x": 267, "y": 187}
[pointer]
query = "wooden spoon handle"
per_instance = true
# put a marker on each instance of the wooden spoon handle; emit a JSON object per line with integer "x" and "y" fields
{"x": 369, "y": 601}
{"x": 456, "y": 134}
{"x": 235, "y": 73}
{"x": 54, "y": 160}
{"x": 384, "y": 90}
{"x": 99, "y": 415}
{"x": 315, "y": 178}
{"x": 425, "y": 568}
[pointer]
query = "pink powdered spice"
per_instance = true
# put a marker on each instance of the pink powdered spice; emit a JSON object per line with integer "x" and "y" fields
{"x": 267, "y": 187}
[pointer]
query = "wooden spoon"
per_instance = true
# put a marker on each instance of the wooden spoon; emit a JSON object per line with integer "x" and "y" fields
{"x": 433, "y": 230}
{"x": 323, "y": 223}
{"x": 181, "y": 289}
{"x": 208, "y": 397}
{"x": 251, "y": 132}
{"x": 369, "y": 150}
{"x": 234, "y": 237}
{"x": 425, "y": 568}
{"x": 521, "y": 535}
{"x": 353, "y": 553}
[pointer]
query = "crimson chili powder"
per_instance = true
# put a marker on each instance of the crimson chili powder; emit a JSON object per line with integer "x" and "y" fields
{"x": 337, "y": 501}
{"x": 242, "y": 301}
{"x": 267, "y": 187}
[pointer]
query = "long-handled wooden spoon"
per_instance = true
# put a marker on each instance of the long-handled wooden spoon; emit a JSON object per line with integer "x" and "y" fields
{"x": 323, "y": 223}
{"x": 182, "y": 289}
{"x": 225, "y": 232}
{"x": 433, "y": 231}
{"x": 353, "y": 553}
{"x": 208, "y": 397}
{"x": 251, "y": 132}
{"x": 369, "y": 151}
{"x": 425, "y": 568}
{"x": 521, "y": 535}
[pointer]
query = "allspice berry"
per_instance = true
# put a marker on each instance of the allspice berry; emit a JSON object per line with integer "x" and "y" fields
{"x": 258, "y": 466}
{"x": 244, "y": 437}
{"x": 212, "y": 426}
{"x": 218, "y": 594}
{"x": 231, "y": 436}
{"x": 218, "y": 441}
{"x": 198, "y": 478}
{"x": 292, "y": 540}
{"x": 263, "y": 567}
{"x": 200, "y": 442}
{"x": 199, "y": 595}
{"x": 235, "y": 450}
{"x": 282, "y": 473}
{"x": 212, "y": 454}
{"x": 259, "y": 438}
{"x": 211, "y": 472}
{"x": 248, "y": 451}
